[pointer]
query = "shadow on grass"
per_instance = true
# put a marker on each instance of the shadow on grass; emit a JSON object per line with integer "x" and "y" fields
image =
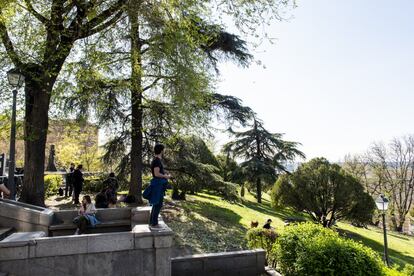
{"x": 266, "y": 208}
{"x": 206, "y": 227}
{"x": 215, "y": 213}
{"x": 395, "y": 256}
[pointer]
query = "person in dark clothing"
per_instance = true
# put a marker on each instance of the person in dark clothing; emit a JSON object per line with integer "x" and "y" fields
{"x": 101, "y": 201}
{"x": 158, "y": 185}
{"x": 267, "y": 224}
{"x": 112, "y": 185}
{"x": 78, "y": 182}
{"x": 69, "y": 180}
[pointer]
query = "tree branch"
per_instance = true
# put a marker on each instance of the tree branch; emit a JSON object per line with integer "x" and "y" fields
{"x": 8, "y": 44}
{"x": 88, "y": 32}
{"x": 151, "y": 85}
{"x": 36, "y": 14}
{"x": 93, "y": 26}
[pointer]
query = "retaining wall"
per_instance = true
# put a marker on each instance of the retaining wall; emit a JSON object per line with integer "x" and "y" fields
{"x": 25, "y": 217}
{"x": 248, "y": 262}
{"x": 137, "y": 252}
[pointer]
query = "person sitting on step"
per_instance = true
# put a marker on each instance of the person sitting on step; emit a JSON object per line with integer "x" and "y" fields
{"x": 86, "y": 216}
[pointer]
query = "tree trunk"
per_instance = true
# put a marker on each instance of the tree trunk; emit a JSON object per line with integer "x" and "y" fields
{"x": 401, "y": 221}
{"x": 37, "y": 92}
{"x": 259, "y": 190}
{"x": 135, "y": 186}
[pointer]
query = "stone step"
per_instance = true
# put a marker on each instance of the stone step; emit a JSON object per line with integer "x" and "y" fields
{"x": 6, "y": 231}
{"x": 24, "y": 236}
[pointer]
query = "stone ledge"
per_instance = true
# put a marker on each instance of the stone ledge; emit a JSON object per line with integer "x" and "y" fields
{"x": 110, "y": 242}
{"x": 14, "y": 253}
{"x": 247, "y": 262}
{"x": 46, "y": 247}
{"x": 221, "y": 254}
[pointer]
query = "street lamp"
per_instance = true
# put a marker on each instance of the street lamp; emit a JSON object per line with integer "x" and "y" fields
{"x": 16, "y": 80}
{"x": 382, "y": 205}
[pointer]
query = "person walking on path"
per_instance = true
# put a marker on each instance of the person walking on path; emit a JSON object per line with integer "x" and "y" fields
{"x": 156, "y": 190}
{"x": 78, "y": 182}
{"x": 69, "y": 181}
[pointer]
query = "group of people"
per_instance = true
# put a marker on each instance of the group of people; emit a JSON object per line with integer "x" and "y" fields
{"x": 74, "y": 186}
{"x": 107, "y": 197}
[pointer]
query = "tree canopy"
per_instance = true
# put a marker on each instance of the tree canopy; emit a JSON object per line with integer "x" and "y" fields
{"x": 324, "y": 191}
{"x": 265, "y": 154}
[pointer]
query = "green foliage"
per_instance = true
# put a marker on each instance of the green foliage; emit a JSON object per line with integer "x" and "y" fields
{"x": 395, "y": 270}
{"x": 264, "y": 153}
{"x": 408, "y": 270}
{"x": 79, "y": 145}
{"x": 52, "y": 184}
{"x": 324, "y": 191}
{"x": 265, "y": 239}
{"x": 93, "y": 184}
{"x": 309, "y": 249}
{"x": 195, "y": 167}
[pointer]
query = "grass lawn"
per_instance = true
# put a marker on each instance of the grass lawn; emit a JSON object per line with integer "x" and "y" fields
{"x": 206, "y": 223}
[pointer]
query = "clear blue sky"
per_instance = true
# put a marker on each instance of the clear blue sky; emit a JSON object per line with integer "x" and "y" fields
{"x": 339, "y": 76}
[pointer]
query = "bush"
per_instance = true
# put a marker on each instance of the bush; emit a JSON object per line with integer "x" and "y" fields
{"x": 93, "y": 184}
{"x": 52, "y": 184}
{"x": 265, "y": 239}
{"x": 309, "y": 249}
{"x": 408, "y": 270}
{"x": 229, "y": 191}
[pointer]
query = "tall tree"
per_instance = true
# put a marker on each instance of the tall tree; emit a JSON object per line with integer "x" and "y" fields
{"x": 264, "y": 153}
{"x": 48, "y": 32}
{"x": 168, "y": 59}
{"x": 359, "y": 167}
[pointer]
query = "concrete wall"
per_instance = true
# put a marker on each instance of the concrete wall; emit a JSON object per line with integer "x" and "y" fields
{"x": 138, "y": 252}
{"x": 24, "y": 217}
{"x": 248, "y": 262}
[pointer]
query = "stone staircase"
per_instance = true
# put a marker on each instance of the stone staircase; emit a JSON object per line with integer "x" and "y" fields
{"x": 5, "y": 232}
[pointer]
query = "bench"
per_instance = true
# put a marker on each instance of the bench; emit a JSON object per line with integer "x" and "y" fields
{"x": 111, "y": 220}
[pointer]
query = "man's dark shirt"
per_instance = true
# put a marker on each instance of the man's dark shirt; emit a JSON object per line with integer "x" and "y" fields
{"x": 267, "y": 226}
{"x": 156, "y": 163}
{"x": 77, "y": 179}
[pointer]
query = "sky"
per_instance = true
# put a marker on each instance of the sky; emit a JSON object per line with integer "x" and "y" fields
{"x": 338, "y": 77}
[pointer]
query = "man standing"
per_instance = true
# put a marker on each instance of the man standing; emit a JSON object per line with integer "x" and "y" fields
{"x": 78, "y": 182}
{"x": 69, "y": 180}
{"x": 158, "y": 185}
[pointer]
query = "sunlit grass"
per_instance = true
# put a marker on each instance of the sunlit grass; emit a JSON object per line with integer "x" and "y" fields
{"x": 208, "y": 223}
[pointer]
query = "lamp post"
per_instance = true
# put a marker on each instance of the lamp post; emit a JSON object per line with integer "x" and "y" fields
{"x": 16, "y": 80}
{"x": 382, "y": 205}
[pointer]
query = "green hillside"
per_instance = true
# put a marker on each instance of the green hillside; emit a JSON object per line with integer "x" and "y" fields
{"x": 206, "y": 223}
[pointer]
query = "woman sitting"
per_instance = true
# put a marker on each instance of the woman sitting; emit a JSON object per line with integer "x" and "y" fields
{"x": 86, "y": 216}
